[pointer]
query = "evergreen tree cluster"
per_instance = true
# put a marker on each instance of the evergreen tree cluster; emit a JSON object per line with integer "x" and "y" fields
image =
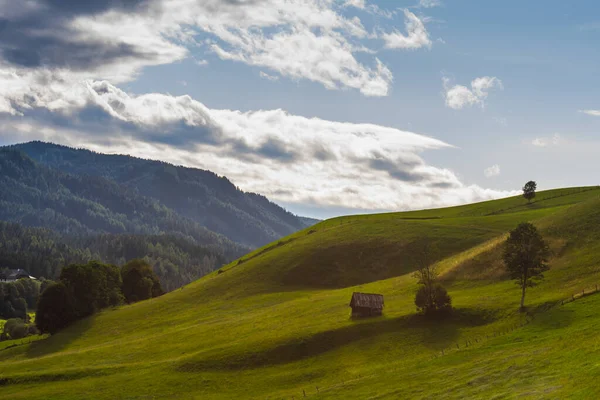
{"x": 199, "y": 196}
{"x": 176, "y": 259}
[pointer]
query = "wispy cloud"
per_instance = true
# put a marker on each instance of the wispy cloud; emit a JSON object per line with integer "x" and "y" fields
{"x": 553, "y": 140}
{"x": 416, "y": 35}
{"x": 593, "y": 113}
{"x": 266, "y": 76}
{"x": 289, "y": 158}
{"x": 492, "y": 171}
{"x": 459, "y": 97}
{"x": 429, "y": 3}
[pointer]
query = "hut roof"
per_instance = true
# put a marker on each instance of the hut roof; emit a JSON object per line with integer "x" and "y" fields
{"x": 368, "y": 300}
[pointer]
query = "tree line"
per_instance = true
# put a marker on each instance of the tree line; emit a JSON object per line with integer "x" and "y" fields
{"x": 176, "y": 259}
{"x": 84, "y": 289}
{"x": 19, "y": 296}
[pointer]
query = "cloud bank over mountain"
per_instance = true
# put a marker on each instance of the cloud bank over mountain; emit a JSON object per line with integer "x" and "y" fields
{"x": 63, "y": 66}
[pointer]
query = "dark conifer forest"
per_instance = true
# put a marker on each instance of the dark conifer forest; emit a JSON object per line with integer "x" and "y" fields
{"x": 60, "y": 205}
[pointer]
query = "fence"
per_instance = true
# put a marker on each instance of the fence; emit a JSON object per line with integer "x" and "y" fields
{"x": 548, "y": 306}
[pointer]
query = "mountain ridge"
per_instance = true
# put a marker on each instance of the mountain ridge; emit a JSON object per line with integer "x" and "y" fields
{"x": 200, "y": 195}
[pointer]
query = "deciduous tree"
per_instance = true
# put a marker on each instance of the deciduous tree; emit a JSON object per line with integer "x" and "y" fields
{"x": 431, "y": 297}
{"x": 139, "y": 281}
{"x": 55, "y": 309}
{"x": 526, "y": 257}
{"x": 529, "y": 190}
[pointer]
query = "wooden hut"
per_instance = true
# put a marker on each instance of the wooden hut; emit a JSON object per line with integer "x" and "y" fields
{"x": 366, "y": 304}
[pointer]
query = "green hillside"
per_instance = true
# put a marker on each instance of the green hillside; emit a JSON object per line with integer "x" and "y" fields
{"x": 276, "y": 322}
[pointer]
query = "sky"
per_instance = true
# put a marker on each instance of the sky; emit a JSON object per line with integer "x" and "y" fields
{"x": 327, "y": 107}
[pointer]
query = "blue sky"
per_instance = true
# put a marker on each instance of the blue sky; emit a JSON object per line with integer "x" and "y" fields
{"x": 326, "y": 107}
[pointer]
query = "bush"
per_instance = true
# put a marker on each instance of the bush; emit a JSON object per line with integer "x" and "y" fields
{"x": 15, "y": 328}
{"x": 433, "y": 299}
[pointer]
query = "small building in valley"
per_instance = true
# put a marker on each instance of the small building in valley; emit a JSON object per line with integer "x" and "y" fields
{"x": 366, "y": 304}
{"x": 11, "y": 275}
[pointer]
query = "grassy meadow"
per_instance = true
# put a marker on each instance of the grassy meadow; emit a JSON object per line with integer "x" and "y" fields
{"x": 275, "y": 324}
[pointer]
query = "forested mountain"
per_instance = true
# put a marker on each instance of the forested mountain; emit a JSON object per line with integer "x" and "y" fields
{"x": 176, "y": 259}
{"x": 201, "y": 196}
{"x": 70, "y": 206}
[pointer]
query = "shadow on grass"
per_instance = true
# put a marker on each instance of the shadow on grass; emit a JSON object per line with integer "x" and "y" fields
{"x": 44, "y": 377}
{"x": 559, "y": 317}
{"x": 432, "y": 332}
{"x": 60, "y": 340}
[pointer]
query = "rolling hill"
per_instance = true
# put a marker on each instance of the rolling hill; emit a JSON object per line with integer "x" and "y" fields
{"x": 275, "y": 323}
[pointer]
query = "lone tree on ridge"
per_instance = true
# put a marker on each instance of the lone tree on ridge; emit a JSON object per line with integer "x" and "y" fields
{"x": 526, "y": 257}
{"x": 529, "y": 190}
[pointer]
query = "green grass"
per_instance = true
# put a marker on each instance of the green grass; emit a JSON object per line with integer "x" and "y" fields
{"x": 277, "y": 322}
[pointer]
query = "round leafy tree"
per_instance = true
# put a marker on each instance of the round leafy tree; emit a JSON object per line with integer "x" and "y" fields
{"x": 529, "y": 190}
{"x": 139, "y": 281}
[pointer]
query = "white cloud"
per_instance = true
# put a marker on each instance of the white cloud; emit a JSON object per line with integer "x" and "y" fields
{"x": 266, "y": 76}
{"x": 356, "y": 3}
{"x": 327, "y": 59}
{"x": 416, "y": 37}
{"x": 286, "y": 157}
{"x": 554, "y": 140}
{"x": 297, "y": 39}
{"x": 308, "y": 39}
{"x": 459, "y": 97}
{"x": 492, "y": 171}
{"x": 593, "y": 113}
{"x": 429, "y": 3}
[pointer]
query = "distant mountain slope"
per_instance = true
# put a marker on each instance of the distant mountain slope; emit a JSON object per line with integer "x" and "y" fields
{"x": 201, "y": 196}
{"x": 91, "y": 217}
{"x": 309, "y": 221}
{"x": 34, "y": 195}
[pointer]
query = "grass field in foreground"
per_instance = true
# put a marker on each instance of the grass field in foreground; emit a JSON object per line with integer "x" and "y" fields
{"x": 277, "y": 322}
